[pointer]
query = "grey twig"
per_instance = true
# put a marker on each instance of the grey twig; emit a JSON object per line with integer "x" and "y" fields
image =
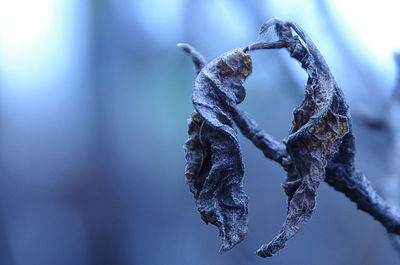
{"x": 372, "y": 122}
{"x": 392, "y": 182}
{"x": 198, "y": 59}
{"x": 271, "y": 148}
{"x": 390, "y": 124}
{"x": 266, "y": 45}
{"x": 344, "y": 177}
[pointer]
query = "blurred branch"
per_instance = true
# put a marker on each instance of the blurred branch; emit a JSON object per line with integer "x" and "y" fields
{"x": 6, "y": 252}
{"x": 365, "y": 73}
{"x": 389, "y": 124}
{"x": 370, "y": 121}
{"x": 392, "y": 181}
{"x": 396, "y": 90}
{"x": 362, "y": 70}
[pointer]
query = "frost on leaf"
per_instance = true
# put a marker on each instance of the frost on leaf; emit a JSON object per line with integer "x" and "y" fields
{"x": 194, "y": 155}
{"x": 214, "y": 168}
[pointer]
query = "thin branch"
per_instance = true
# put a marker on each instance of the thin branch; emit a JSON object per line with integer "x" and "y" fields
{"x": 392, "y": 182}
{"x": 372, "y": 122}
{"x": 266, "y": 45}
{"x": 198, "y": 59}
{"x": 258, "y": 16}
{"x": 272, "y": 149}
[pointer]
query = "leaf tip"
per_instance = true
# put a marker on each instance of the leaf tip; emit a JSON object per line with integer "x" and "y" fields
{"x": 226, "y": 246}
{"x": 263, "y": 252}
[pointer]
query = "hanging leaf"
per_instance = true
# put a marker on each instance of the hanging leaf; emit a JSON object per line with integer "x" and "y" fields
{"x": 214, "y": 168}
{"x": 320, "y": 123}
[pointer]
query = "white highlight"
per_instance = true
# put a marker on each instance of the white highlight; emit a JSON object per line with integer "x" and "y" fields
{"x": 32, "y": 42}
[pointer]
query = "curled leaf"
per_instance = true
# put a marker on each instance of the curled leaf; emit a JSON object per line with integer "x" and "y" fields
{"x": 214, "y": 168}
{"x": 320, "y": 123}
{"x": 194, "y": 154}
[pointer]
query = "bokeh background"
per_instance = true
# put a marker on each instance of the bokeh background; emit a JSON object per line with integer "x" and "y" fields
{"x": 94, "y": 98}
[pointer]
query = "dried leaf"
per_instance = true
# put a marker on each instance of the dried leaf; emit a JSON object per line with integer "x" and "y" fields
{"x": 214, "y": 169}
{"x": 320, "y": 123}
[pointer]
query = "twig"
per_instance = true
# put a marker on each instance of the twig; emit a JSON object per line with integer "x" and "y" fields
{"x": 271, "y": 148}
{"x": 198, "y": 59}
{"x": 392, "y": 183}
{"x": 372, "y": 122}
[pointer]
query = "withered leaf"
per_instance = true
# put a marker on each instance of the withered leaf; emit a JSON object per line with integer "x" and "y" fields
{"x": 320, "y": 123}
{"x": 214, "y": 168}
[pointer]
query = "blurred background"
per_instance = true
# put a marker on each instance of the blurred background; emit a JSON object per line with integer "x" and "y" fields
{"x": 94, "y": 98}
